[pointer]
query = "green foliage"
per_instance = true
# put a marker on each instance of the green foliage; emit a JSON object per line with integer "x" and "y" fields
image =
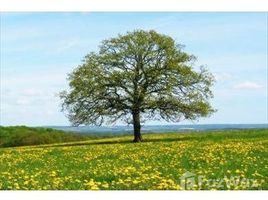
{"x": 22, "y": 135}
{"x": 141, "y": 74}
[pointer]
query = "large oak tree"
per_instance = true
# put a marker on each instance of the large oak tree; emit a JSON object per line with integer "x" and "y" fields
{"x": 138, "y": 76}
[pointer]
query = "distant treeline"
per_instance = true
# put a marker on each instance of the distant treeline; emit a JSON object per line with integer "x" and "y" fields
{"x": 21, "y": 136}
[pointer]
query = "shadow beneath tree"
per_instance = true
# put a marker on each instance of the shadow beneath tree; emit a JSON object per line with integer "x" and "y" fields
{"x": 171, "y": 139}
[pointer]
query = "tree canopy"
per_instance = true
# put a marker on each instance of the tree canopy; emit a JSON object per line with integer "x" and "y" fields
{"x": 138, "y": 76}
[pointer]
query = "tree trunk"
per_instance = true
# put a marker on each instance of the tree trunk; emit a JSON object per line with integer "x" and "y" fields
{"x": 137, "y": 127}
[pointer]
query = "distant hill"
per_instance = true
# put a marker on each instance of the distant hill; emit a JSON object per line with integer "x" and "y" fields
{"x": 122, "y": 130}
{"x": 21, "y": 135}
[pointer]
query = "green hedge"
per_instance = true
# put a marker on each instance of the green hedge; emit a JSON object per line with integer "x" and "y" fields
{"x": 21, "y": 135}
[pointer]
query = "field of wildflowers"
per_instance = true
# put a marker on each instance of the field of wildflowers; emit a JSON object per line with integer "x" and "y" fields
{"x": 226, "y": 160}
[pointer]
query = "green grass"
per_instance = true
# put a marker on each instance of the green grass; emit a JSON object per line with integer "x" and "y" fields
{"x": 22, "y": 135}
{"x": 238, "y": 158}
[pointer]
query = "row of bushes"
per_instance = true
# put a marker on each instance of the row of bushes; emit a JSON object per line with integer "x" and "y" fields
{"x": 21, "y": 135}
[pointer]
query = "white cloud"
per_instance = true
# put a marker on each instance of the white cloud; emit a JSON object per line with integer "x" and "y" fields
{"x": 35, "y": 89}
{"x": 32, "y": 92}
{"x": 222, "y": 76}
{"x": 248, "y": 85}
{"x": 22, "y": 101}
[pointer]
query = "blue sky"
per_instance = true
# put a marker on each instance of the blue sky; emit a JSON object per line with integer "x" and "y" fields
{"x": 39, "y": 49}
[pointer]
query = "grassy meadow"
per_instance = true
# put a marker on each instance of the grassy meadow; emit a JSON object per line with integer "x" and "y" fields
{"x": 237, "y": 159}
